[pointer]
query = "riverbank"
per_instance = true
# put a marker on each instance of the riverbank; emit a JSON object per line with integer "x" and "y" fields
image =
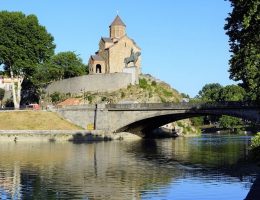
{"x": 76, "y": 136}
{"x": 48, "y": 126}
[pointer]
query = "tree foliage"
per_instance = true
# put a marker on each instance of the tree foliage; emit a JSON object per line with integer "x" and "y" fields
{"x": 60, "y": 66}
{"x": 2, "y": 94}
{"x": 256, "y": 141}
{"x": 229, "y": 122}
{"x": 231, "y": 93}
{"x": 66, "y": 65}
{"x": 214, "y": 92}
{"x": 243, "y": 29}
{"x": 210, "y": 92}
{"x": 24, "y": 44}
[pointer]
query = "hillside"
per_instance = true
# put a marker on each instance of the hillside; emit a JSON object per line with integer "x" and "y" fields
{"x": 149, "y": 90}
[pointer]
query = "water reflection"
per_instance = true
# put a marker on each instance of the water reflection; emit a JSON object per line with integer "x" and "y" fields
{"x": 159, "y": 169}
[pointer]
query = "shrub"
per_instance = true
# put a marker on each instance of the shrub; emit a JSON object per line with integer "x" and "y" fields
{"x": 163, "y": 100}
{"x": 167, "y": 93}
{"x": 122, "y": 94}
{"x": 9, "y": 103}
{"x": 154, "y": 83}
{"x": 197, "y": 121}
{"x": 143, "y": 83}
{"x": 68, "y": 94}
{"x": 256, "y": 141}
{"x": 90, "y": 98}
{"x": 229, "y": 122}
{"x": 55, "y": 97}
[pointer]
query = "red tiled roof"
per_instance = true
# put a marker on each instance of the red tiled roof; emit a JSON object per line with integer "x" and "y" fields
{"x": 70, "y": 102}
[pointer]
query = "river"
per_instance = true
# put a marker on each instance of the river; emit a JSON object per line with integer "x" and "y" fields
{"x": 204, "y": 168}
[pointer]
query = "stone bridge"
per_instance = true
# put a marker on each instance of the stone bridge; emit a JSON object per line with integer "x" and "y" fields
{"x": 140, "y": 118}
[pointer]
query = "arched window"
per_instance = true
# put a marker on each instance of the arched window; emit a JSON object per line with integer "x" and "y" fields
{"x": 98, "y": 68}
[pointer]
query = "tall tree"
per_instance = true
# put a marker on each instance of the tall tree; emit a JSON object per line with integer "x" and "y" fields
{"x": 67, "y": 64}
{"x": 210, "y": 92}
{"x": 60, "y": 66}
{"x": 243, "y": 29}
{"x": 231, "y": 93}
{"x": 215, "y": 92}
{"x": 24, "y": 44}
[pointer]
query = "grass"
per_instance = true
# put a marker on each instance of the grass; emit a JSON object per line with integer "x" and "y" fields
{"x": 34, "y": 120}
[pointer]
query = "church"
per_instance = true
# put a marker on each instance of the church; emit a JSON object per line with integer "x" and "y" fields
{"x": 117, "y": 53}
{"x": 115, "y": 65}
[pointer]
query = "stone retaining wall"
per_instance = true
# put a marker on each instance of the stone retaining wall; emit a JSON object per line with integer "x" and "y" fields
{"x": 91, "y": 83}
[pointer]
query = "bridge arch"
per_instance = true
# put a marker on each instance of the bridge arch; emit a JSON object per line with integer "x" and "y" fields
{"x": 144, "y": 125}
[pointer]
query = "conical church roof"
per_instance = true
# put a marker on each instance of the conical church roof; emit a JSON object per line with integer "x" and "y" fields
{"x": 118, "y": 22}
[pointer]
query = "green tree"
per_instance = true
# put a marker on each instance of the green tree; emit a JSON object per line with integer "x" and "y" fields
{"x": 67, "y": 64}
{"x": 231, "y": 93}
{"x": 210, "y": 92}
{"x": 60, "y": 66}
{"x": 2, "y": 94}
{"x": 243, "y": 28}
{"x": 216, "y": 92}
{"x": 229, "y": 122}
{"x": 24, "y": 44}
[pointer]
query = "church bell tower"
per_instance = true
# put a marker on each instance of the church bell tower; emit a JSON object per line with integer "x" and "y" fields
{"x": 117, "y": 28}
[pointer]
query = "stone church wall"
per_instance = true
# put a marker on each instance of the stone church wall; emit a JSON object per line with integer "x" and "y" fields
{"x": 119, "y": 52}
{"x": 91, "y": 83}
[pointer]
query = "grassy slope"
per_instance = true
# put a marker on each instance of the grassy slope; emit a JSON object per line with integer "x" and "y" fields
{"x": 148, "y": 91}
{"x": 33, "y": 120}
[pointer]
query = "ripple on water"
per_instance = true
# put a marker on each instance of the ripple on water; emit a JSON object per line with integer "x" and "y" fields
{"x": 195, "y": 168}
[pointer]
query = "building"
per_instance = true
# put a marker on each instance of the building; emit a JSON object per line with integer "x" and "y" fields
{"x": 6, "y": 83}
{"x": 117, "y": 53}
{"x": 115, "y": 65}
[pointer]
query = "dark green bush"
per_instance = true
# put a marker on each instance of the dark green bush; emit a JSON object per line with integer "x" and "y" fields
{"x": 56, "y": 97}
{"x": 143, "y": 83}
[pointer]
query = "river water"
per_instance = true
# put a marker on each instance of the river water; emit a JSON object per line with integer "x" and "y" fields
{"x": 206, "y": 167}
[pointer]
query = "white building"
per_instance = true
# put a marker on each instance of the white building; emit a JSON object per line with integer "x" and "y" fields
{"x": 6, "y": 83}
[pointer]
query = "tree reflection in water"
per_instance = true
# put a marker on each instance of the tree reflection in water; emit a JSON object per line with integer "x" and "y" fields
{"x": 122, "y": 170}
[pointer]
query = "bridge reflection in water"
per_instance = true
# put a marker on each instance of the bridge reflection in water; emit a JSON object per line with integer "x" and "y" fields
{"x": 128, "y": 170}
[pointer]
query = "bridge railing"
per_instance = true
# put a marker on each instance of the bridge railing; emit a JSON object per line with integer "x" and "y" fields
{"x": 183, "y": 105}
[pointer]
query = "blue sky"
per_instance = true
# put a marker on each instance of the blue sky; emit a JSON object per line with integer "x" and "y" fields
{"x": 183, "y": 42}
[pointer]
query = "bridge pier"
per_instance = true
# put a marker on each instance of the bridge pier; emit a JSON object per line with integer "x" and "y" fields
{"x": 101, "y": 120}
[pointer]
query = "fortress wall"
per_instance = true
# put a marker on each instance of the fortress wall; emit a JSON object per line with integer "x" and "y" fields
{"x": 91, "y": 83}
